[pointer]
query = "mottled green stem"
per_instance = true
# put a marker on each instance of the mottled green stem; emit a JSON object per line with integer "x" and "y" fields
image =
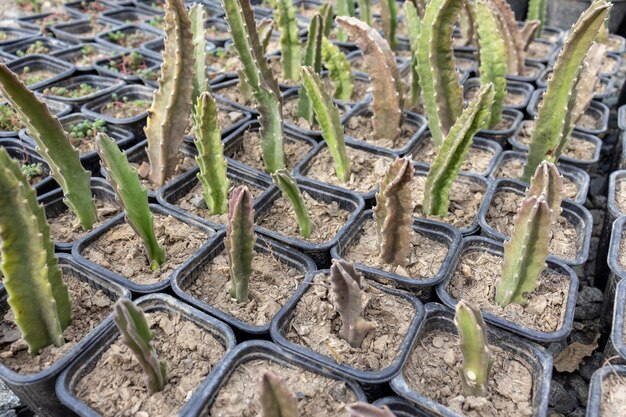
{"x": 339, "y": 70}
{"x": 313, "y": 59}
{"x": 290, "y": 53}
{"x": 276, "y": 398}
{"x": 291, "y": 191}
{"x": 537, "y": 11}
{"x": 197, "y": 17}
{"x": 239, "y": 242}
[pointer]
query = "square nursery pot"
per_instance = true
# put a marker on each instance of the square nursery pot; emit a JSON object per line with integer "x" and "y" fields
{"x": 41, "y": 22}
{"x": 69, "y": 382}
{"x": 466, "y": 61}
{"x": 155, "y": 47}
{"x": 602, "y": 380}
{"x": 106, "y": 66}
{"x": 536, "y": 361}
{"x": 613, "y": 231}
{"x": 56, "y": 108}
{"x": 104, "y": 85}
{"x": 50, "y": 70}
{"x": 542, "y": 51}
{"x": 577, "y": 216}
{"x": 225, "y": 82}
{"x": 217, "y": 31}
{"x": 400, "y": 407}
{"x": 19, "y": 49}
{"x": 351, "y": 203}
{"x": 583, "y": 150}
{"x": 55, "y": 208}
{"x": 149, "y": 33}
{"x": 511, "y": 120}
{"x": 90, "y": 7}
{"x": 84, "y": 55}
{"x": 129, "y": 15}
{"x": 80, "y": 31}
{"x": 79, "y": 248}
{"x": 438, "y": 233}
{"x": 518, "y": 93}
{"x": 480, "y": 245}
{"x": 597, "y": 111}
{"x": 294, "y": 263}
{"x": 370, "y": 379}
{"x": 362, "y": 114}
{"x": 234, "y": 118}
{"x": 481, "y": 159}
{"x": 179, "y": 195}
{"x": 297, "y": 148}
{"x": 510, "y": 164}
{"x": 12, "y": 35}
{"x": 615, "y": 350}
{"x": 532, "y": 74}
{"x": 96, "y": 108}
{"x": 25, "y": 155}
{"x": 294, "y": 369}
{"x": 36, "y": 390}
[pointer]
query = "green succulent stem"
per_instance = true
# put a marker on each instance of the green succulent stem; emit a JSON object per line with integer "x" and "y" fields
{"x": 239, "y": 242}
{"x": 313, "y": 59}
{"x": 289, "y": 39}
{"x": 389, "y": 15}
{"x": 365, "y": 11}
{"x": 291, "y": 191}
{"x": 537, "y": 11}
{"x": 339, "y": 70}
{"x": 412, "y": 22}
{"x": 197, "y": 17}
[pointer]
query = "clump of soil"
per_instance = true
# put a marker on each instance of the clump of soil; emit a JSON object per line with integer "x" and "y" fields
{"x": 613, "y": 395}
{"x": 120, "y": 249}
{"x": 564, "y": 242}
{"x": 64, "y": 226}
{"x": 271, "y": 284}
{"x": 361, "y": 127}
{"x": 466, "y": 195}
{"x": 326, "y": 218}
{"x": 116, "y": 386}
{"x": 315, "y": 324}
{"x": 425, "y": 258}
{"x": 316, "y": 394}
{"x": 477, "y": 160}
{"x": 366, "y": 169}
{"x": 477, "y": 275}
{"x": 250, "y": 153}
{"x": 90, "y": 306}
{"x": 432, "y": 371}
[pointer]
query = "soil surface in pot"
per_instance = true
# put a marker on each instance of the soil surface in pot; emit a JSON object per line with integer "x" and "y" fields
{"x": 116, "y": 386}
{"x": 194, "y": 202}
{"x": 142, "y": 166}
{"x": 538, "y": 51}
{"x": 366, "y": 169}
{"x": 326, "y": 218}
{"x": 564, "y": 242}
{"x": 64, "y": 227}
{"x": 613, "y": 395}
{"x": 477, "y": 160}
{"x": 90, "y": 306}
{"x": 233, "y": 93}
{"x": 577, "y": 148}
{"x": 315, "y": 324}
{"x": 477, "y": 275}
{"x": 277, "y": 69}
{"x": 432, "y": 371}
{"x": 249, "y": 151}
{"x": 271, "y": 284}
{"x": 317, "y": 395}
{"x": 121, "y": 250}
{"x": 124, "y": 108}
{"x": 361, "y": 127}
{"x": 620, "y": 194}
{"x": 466, "y": 195}
{"x": 290, "y": 114}
{"x": 511, "y": 98}
{"x": 425, "y": 259}
{"x": 514, "y": 168}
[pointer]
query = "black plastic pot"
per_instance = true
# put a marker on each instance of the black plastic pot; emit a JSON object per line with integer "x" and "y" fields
{"x": 51, "y": 43}
{"x": 440, "y": 318}
{"x": 78, "y": 6}
{"x": 260, "y": 349}
{"x": 512, "y": 87}
{"x": 21, "y": 153}
{"x": 286, "y": 255}
{"x": 222, "y": 26}
{"x": 466, "y": 61}
{"x": 36, "y": 390}
{"x": 575, "y": 213}
{"x": 137, "y": 289}
{"x": 58, "y": 109}
{"x": 422, "y": 288}
{"x": 105, "y": 86}
{"x": 535, "y": 68}
{"x": 370, "y": 380}
{"x": 102, "y": 67}
{"x": 16, "y": 35}
{"x": 68, "y": 381}
{"x": 129, "y": 15}
{"x": 105, "y": 39}
{"x": 616, "y": 345}
{"x": 74, "y": 54}
{"x": 609, "y": 246}
{"x": 607, "y": 83}
{"x": 575, "y": 174}
{"x": 399, "y": 407}
{"x": 41, "y": 22}
{"x": 588, "y": 165}
{"x": 35, "y": 62}
{"x": 594, "y": 403}
{"x": 134, "y": 124}
{"x": 79, "y": 31}
{"x": 513, "y": 118}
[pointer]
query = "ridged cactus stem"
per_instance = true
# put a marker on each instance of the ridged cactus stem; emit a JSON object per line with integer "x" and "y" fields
{"x": 512, "y": 37}
{"x": 168, "y": 117}
{"x": 290, "y": 53}
{"x": 327, "y": 11}
{"x": 132, "y": 197}
{"x": 197, "y": 17}
{"x": 53, "y": 145}
{"x": 264, "y": 28}
{"x": 365, "y": 11}
{"x": 393, "y": 213}
{"x": 554, "y": 122}
{"x": 367, "y": 410}
{"x": 136, "y": 334}
{"x": 339, "y": 70}
{"x": 276, "y": 398}
{"x": 548, "y": 184}
{"x": 239, "y": 242}
{"x": 477, "y": 360}
{"x": 328, "y": 118}
{"x": 383, "y": 70}
{"x": 453, "y": 151}
{"x": 537, "y": 11}
{"x": 436, "y": 66}
{"x": 525, "y": 252}
{"x": 313, "y": 59}
{"x": 291, "y": 191}
{"x": 347, "y": 286}
{"x": 587, "y": 80}
{"x": 210, "y": 157}
{"x": 389, "y": 15}
{"x": 344, "y": 8}
{"x": 36, "y": 293}
{"x": 259, "y": 77}
{"x": 412, "y": 22}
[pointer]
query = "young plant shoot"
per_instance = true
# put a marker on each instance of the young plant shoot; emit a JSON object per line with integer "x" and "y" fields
{"x": 290, "y": 53}
{"x": 277, "y": 400}
{"x": 313, "y": 59}
{"x": 239, "y": 242}
{"x": 537, "y": 12}
{"x": 339, "y": 70}
{"x": 291, "y": 191}
{"x": 361, "y": 409}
